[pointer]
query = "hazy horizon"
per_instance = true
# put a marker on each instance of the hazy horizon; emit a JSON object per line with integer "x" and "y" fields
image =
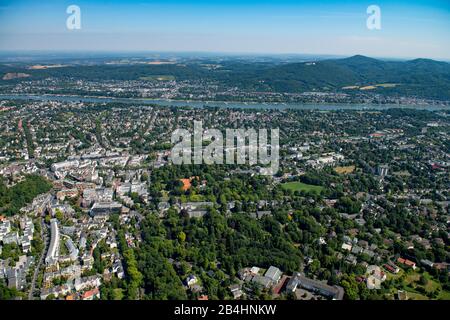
{"x": 409, "y": 29}
{"x": 22, "y": 55}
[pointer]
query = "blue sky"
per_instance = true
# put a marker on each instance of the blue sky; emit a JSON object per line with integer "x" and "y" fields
{"x": 415, "y": 28}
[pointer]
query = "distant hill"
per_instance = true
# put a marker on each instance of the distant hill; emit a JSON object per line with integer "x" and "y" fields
{"x": 423, "y": 78}
{"x": 420, "y": 77}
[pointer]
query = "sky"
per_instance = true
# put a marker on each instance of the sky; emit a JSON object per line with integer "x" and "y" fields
{"x": 409, "y": 29}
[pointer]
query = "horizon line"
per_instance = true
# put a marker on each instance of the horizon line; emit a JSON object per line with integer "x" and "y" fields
{"x": 216, "y": 53}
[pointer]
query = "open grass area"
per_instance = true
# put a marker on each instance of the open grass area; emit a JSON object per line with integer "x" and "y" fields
{"x": 444, "y": 295}
{"x": 390, "y": 275}
{"x": 300, "y": 186}
{"x": 158, "y": 78}
{"x": 412, "y": 277}
{"x": 416, "y": 296}
{"x": 387, "y": 85}
{"x": 410, "y": 281}
{"x": 345, "y": 170}
{"x": 368, "y": 88}
{"x": 414, "y": 280}
{"x": 372, "y": 87}
{"x": 403, "y": 173}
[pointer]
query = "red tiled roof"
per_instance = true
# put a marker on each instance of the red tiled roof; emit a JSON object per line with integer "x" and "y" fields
{"x": 90, "y": 293}
{"x": 409, "y": 263}
{"x": 186, "y": 184}
{"x": 279, "y": 286}
{"x": 406, "y": 262}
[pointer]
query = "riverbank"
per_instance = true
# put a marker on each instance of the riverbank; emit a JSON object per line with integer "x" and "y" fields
{"x": 218, "y": 104}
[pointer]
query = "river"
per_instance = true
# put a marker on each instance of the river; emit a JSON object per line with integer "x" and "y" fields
{"x": 221, "y": 104}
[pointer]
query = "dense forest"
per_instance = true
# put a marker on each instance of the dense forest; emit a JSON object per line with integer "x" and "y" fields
{"x": 21, "y": 194}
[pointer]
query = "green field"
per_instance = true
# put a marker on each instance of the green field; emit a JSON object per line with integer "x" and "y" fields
{"x": 300, "y": 186}
{"x": 410, "y": 282}
{"x": 158, "y": 78}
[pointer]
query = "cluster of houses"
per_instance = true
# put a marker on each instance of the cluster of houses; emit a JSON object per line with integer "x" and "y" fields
{"x": 304, "y": 287}
{"x": 81, "y": 288}
{"x": 354, "y": 248}
{"x": 15, "y": 272}
{"x": 79, "y": 259}
{"x": 124, "y": 191}
{"x": 273, "y": 280}
{"x": 20, "y": 237}
{"x": 323, "y": 160}
{"x": 71, "y": 247}
{"x": 266, "y": 280}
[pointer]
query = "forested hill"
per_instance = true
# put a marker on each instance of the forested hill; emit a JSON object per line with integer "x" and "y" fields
{"x": 415, "y": 78}
{"x": 421, "y": 77}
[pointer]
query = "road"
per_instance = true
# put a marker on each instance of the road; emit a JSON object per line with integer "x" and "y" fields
{"x": 41, "y": 258}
